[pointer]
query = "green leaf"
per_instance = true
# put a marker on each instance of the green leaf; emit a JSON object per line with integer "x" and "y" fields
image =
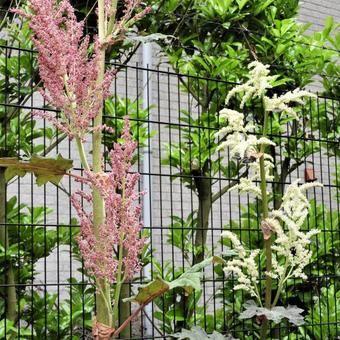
{"x": 329, "y": 23}
{"x": 150, "y": 291}
{"x": 172, "y": 5}
{"x": 176, "y": 312}
{"x": 189, "y": 280}
{"x": 263, "y": 6}
{"x": 6, "y": 326}
{"x": 280, "y": 48}
{"x": 241, "y": 3}
{"x": 12, "y": 172}
{"x": 45, "y": 169}
{"x": 199, "y": 266}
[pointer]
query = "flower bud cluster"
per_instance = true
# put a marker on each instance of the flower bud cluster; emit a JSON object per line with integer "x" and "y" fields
{"x": 71, "y": 76}
{"x": 122, "y": 223}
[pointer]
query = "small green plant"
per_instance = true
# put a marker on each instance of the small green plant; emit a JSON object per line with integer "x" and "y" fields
{"x": 324, "y": 314}
{"x": 64, "y": 318}
{"x": 28, "y": 241}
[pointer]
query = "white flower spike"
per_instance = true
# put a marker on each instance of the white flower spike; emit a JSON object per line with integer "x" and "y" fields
{"x": 281, "y": 104}
{"x": 256, "y": 86}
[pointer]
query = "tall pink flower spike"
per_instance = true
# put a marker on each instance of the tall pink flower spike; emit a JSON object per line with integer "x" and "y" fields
{"x": 69, "y": 74}
{"x": 123, "y": 215}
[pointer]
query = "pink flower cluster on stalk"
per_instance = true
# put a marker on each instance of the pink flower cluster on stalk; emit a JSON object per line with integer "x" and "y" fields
{"x": 69, "y": 74}
{"x": 122, "y": 224}
{"x": 73, "y": 83}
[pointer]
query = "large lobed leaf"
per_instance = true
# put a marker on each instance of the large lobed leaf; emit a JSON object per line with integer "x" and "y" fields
{"x": 276, "y": 314}
{"x": 196, "y": 333}
{"x": 189, "y": 281}
{"x": 45, "y": 169}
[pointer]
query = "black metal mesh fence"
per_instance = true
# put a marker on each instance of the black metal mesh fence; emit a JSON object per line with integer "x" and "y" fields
{"x": 186, "y": 207}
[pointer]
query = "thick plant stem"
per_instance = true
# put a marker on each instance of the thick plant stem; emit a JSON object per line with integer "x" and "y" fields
{"x": 119, "y": 281}
{"x": 103, "y": 302}
{"x": 121, "y": 310}
{"x": 124, "y": 310}
{"x": 267, "y": 242}
{"x": 4, "y": 240}
{"x": 103, "y": 296}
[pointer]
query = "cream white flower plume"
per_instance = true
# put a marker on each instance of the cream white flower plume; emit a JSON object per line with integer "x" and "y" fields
{"x": 256, "y": 86}
{"x": 281, "y": 104}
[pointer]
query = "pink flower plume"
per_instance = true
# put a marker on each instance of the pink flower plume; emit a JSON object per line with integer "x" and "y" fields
{"x": 122, "y": 224}
{"x": 69, "y": 74}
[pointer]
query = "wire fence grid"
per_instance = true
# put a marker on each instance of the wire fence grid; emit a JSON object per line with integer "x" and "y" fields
{"x": 55, "y": 298}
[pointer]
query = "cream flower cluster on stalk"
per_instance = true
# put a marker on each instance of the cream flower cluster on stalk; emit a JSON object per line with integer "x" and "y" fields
{"x": 280, "y": 104}
{"x": 290, "y": 248}
{"x": 239, "y": 137}
{"x": 257, "y": 85}
{"x": 291, "y": 245}
{"x": 244, "y": 267}
{"x": 242, "y": 145}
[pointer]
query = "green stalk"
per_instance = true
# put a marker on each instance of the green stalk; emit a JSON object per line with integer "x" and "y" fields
{"x": 103, "y": 296}
{"x": 121, "y": 310}
{"x": 112, "y": 18}
{"x": 119, "y": 281}
{"x": 124, "y": 310}
{"x": 103, "y": 303}
{"x": 4, "y": 240}
{"x": 82, "y": 154}
{"x": 267, "y": 243}
{"x": 103, "y": 292}
{"x": 280, "y": 285}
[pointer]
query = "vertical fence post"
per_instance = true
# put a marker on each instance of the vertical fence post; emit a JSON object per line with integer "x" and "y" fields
{"x": 147, "y": 154}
